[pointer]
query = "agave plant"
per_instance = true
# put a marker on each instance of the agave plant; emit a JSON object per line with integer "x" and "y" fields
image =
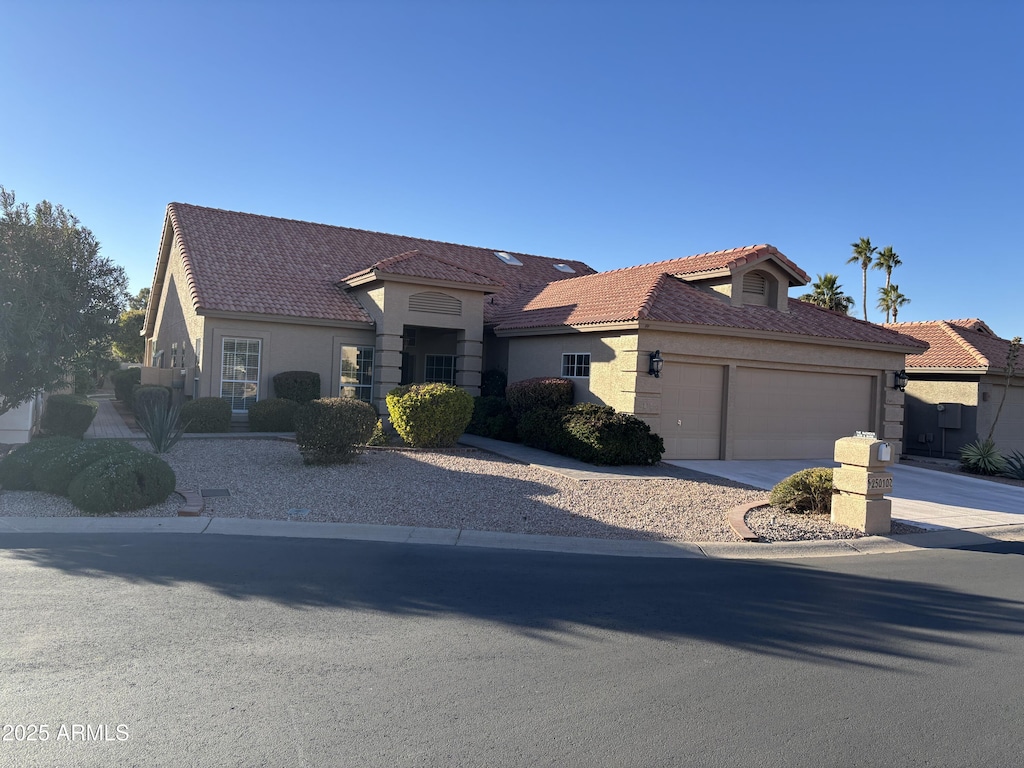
{"x": 1014, "y": 465}
{"x": 982, "y": 458}
{"x": 162, "y": 425}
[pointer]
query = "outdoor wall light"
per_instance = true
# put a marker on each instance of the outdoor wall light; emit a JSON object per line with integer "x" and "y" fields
{"x": 656, "y": 364}
{"x": 899, "y": 380}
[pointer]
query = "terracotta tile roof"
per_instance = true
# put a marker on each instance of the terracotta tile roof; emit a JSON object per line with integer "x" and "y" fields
{"x": 419, "y": 264}
{"x": 651, "y": 292}
{"x": 957, "y": 344}
{"x": 242, "y": 262}
{"x": 731, "y": 259}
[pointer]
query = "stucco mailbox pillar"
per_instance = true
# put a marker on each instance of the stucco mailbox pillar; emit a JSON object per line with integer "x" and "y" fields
{"x": 861, "y": 484}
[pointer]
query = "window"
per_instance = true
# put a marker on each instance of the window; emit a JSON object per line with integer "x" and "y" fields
{"x": 174, "y": 355}
{"x": 240, "y": 373}
{"x": 576, "y": 365}
{"x": 440, "y": 368}
{"x": 357, "y": 373}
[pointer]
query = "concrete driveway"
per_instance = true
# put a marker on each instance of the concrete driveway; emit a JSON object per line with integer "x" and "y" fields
{"x": 923, "y": 497}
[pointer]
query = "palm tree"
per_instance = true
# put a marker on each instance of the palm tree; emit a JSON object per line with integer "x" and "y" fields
{"x": 863, "y": 253}
{"x": 828, "y": 293}
{"x": 890, "y": 299}
{"x": 888, "y": 260}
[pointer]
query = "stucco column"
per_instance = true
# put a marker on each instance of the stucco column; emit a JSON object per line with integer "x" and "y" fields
{"x": 469, "y": 361}
{"x": 892, "y": 420}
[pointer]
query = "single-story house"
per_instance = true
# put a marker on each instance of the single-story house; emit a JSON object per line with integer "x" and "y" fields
{"x": 954, "y": 388}
{"x": 745, "y": 371}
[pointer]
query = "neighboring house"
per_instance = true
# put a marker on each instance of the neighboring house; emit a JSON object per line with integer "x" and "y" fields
{"x": 18, "y": 424}
{"x": 748, "y": 373}
{"x": 963, "y": 371}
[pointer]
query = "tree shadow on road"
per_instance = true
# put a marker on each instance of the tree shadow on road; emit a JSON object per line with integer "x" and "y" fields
{"x": 776, "y": 608}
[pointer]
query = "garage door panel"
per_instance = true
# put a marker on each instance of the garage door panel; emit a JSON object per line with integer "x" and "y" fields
{"x": 795, "y": 414}
{"x": 691, "y": 407}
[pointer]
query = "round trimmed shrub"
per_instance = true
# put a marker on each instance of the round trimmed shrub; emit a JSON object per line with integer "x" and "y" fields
{"x": 129, "y": 480}
{"x": 551, "y": 393}
{"x": 55, "y": 471}
{"x": 330, "y": 429}
{"x": 542, "y": 428}
{"x": 598, "y": 435}
{"x": 809, "y": 490}
{"x": 492, "y": 418}
{"x": 124, "y": 381}
{"x": 150, "y": 398}
{"x": 430, "y": 415}
{"x": 273, "y": 415}
{"x": 17, "y": 467}
{"x": 300, "y": 386}
{"x": 68, "y": 415}
{"x": 206, "y": 414}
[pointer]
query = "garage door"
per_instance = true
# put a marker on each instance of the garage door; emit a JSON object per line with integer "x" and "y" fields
{"x": 1009, "y": 434}
{"x": 691, "y": 408}
{"x": 796, "y": 415}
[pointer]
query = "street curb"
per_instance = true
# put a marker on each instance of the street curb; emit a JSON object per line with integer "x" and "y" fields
{"x": 868, "y": 545}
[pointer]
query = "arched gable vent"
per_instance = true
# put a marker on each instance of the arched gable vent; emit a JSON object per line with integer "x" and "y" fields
{"x": 438, "y": 303}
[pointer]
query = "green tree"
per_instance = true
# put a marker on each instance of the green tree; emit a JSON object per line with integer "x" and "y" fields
{"x": 129, "y": 346}
{"x": 863, "y": 254}
{"x": 58, "y": 297}
{"x": 828, "y": 293}
{"x": 890, "y": 300}
{"x": 888, "y": 260}
{"x": 139, "y": 300}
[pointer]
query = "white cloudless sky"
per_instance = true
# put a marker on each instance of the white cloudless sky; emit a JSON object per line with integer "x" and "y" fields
{"x": 614, "y": 133}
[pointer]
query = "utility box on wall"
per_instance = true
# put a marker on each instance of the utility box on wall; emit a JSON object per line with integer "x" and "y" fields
{"x": 949, "y": 415}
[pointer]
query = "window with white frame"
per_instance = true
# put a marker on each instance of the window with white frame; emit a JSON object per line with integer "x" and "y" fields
{"x": 357, "y": 373}
{"x": 439, "y": 368}
{"x": 240, "y": 373}
{"x": 576, "y": 365}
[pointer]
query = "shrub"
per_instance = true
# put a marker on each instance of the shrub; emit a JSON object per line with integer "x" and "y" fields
{"x": 430, "y": 415}
{"x": 124, "y": 381}
{"x": 162, "y": 426}
{"x": 150, "y": 397}
{"x": 598, "y": 435}
{"x": 809, "y": 490}
{"x": 1014, "y": 465}
{"x": 982, "y": 458}
{"x": 493, "y": 383}
{"x": 492, "y": 418}
{"x": 550, "y": 393}
{"x": 300, "y": 386}
{"x": 329, "y": 430}
{"x": 54, "y": 472}
{"x": 542, "y": 428}
{"x": 68, "y": 415}
{"x": 18, "y": 466}
{"x": 129, "y": 480}
{"x": 206, "y": 414}
{"x": 378, "y": 437}
{"x": 275, "y": 414}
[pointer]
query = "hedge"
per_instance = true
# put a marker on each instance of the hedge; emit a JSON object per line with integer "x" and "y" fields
{"x": 68, "y": 415}
{"x": 492, "y": 418}
{"x": 54, "y": 472}
{"x": 275, "y": 414}
{"x": 430, "y": 415}
{"x": 150, "y": 397}
{"x": 331, "y": 429}
{"x": 124, "y": 381}
{"x": 598, "y": 435}
{"x": 129, "y": 480}
{"x": 206, "y": 414}
{"x": 300, "y": 386}
{"x": 551, "y": 393}
{"x": 17, "y": 467}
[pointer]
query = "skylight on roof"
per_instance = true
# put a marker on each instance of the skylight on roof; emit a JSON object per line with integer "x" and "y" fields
{"x": 508, "y": 258}
{"x": 565, "y": 268}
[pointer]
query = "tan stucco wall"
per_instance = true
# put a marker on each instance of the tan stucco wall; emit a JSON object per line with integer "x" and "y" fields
{"x": 1009, "y": 432}
{"x": 934, "y": 392}
{"x": 176, "y": 322}
{"x": 613, "y": 364}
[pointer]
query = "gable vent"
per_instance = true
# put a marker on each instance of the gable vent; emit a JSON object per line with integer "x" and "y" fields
{"x": 755, "y": 284}
{"x": 438, "y": 303}
{"x": 508, "y": 258}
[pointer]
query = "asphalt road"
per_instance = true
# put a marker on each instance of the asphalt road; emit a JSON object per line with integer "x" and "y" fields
{"x": 171, "y": 650}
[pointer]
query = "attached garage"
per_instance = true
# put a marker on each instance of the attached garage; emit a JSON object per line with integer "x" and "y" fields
{"x": 797, "y": 414}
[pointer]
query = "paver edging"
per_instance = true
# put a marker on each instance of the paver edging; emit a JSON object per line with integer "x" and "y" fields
{"x": 194, "y": 503}
{"x": 736, "y": 517}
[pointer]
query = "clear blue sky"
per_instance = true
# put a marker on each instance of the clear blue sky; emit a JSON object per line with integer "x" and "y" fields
{"x": 615, "y": 133}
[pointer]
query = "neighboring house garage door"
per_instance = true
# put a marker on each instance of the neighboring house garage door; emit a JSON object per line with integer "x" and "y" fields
{"x": 1009, "y": 434}
{"x": 691, "y": 406}
{"x": 797, "y": 415}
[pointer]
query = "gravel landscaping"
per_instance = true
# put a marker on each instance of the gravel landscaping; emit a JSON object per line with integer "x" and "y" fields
{"x": 468, "y": 489}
